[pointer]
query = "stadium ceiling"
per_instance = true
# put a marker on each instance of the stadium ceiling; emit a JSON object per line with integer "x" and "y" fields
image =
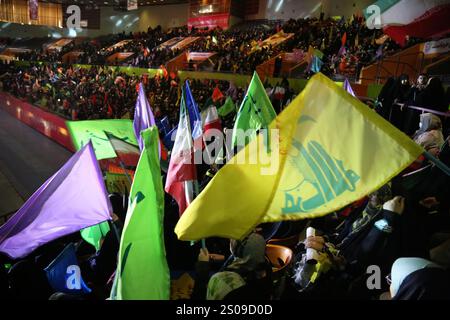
{"x": 116, "y": 3}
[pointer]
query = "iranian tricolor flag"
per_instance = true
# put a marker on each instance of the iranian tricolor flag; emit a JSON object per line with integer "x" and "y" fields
{"x": 182, "y": 172}
{"x": 126, "y": 152}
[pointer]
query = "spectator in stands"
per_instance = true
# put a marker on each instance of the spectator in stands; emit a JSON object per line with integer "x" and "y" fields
{"x": 434, "y": 96}
{"x": 429, "y": 122}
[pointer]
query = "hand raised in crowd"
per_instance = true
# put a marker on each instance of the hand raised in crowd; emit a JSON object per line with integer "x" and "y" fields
{"x": 203, "y": 256}
{"x": 396, "y": 205}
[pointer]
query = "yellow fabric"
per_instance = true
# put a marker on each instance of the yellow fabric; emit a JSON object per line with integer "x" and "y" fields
{"x": 333, "y": 151}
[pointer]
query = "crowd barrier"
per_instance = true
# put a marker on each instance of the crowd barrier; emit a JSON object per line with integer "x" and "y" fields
{"x": 423, "y": 110}
{"x": 47, "y": 123}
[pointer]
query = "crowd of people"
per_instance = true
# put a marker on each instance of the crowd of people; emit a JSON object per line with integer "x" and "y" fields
{"x": 347, "y": 46}
{"x": 78, "y": 93}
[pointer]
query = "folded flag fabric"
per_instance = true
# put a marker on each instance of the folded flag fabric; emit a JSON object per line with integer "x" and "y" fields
{"x": 93, "y": 235}
{"x": 315, "y": 170}
{"x": 348, "y": 88}
{"x": 227, "y": 108}
{"x": 64, "y": 274}
{"x": 217, "y": 94}
{"x": 142, "y": 270}
{"x": 73, "y": 198}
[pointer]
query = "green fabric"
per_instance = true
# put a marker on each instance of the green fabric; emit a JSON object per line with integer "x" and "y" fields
{"x": 94, "y": 234}
{"x": 142, "y": 270}
{"x": 82, "y": 131}
{"x": 256, "y": 111}
{"x": 227, "y": 107}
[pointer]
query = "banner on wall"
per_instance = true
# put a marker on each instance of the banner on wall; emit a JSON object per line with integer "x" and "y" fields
{"x": 49, "y": 124}
{"x": 132, "y": 5}
{"x": 33, "y": 7}
{"x": 210, "y": 21}
{"x": 434, "y": 47}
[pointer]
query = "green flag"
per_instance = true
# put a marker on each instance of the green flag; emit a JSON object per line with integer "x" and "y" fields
{"x": 256, "y": 111}
{"x": 94, "y": 234}
{"x": 83, "y": 131}
{"x": 142, "y": 270}
{"x": 227, "y": 107}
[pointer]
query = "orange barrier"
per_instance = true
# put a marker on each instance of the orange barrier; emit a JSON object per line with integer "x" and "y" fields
{"x": 411, "y": 61}
{"x": 288, "y": 62}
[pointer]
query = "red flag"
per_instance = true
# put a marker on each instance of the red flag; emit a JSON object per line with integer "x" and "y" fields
{"x": 217, "y": 94}
{"x": 110, "y": 111}
{"x": 344, "y": 39}
{"x": 165, "y": 73}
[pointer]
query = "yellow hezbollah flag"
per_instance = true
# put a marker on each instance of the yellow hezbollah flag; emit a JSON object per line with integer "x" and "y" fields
{"x": 333, "y": 150}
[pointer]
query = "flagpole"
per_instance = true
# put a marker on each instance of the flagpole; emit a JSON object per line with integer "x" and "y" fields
{"x": 125, "y": 171}
{"x": 114, "y": 228}
{"x": 437, "y": 162}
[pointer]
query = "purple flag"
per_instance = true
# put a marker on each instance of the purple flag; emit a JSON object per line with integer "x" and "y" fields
{"x": 348, "y": 88}
{"x": 73, "y": 198}
{"x": 143, "y": 116}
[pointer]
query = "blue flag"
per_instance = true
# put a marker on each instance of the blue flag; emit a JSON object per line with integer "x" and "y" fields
{"x": 316, "y": 64}
{"x": 163, "y": 125}
{"x": 194, "y": 114}
{"x": 64, "y": 274}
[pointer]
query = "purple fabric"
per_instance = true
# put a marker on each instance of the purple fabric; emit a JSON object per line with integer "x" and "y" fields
{"x": 73, "y": 198}
{"x": 143, "y": 116}
{"x": 348, "y": 88}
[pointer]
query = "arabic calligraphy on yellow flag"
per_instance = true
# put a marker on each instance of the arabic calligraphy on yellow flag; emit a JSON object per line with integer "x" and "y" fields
{"x": 332, "y": 151}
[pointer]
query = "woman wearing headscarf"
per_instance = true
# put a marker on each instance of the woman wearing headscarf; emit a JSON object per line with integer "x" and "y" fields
{"x": 415, "y": 98}
{"x": 248, "y": 276}
{"x": 418, "y": 279}
{"x": 428, "y": 122}
{"x": 370, "y": 236}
